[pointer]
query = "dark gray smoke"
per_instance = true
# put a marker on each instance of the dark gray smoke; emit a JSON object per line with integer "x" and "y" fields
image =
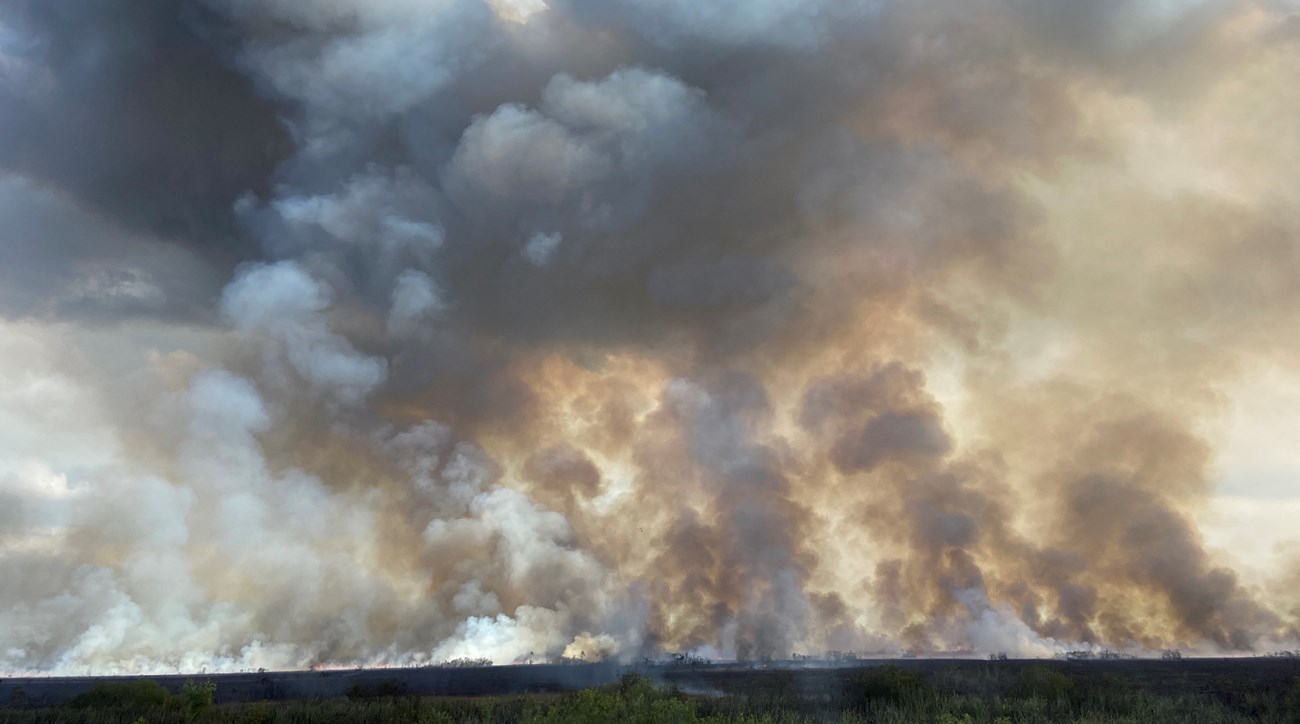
{"x": 407, "y": 330}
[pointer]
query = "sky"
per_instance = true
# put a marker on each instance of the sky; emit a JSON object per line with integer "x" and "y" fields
{"x": 341, "y": 332}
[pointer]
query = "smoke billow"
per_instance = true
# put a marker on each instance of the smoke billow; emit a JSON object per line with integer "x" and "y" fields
{"x": 397, "y": 331}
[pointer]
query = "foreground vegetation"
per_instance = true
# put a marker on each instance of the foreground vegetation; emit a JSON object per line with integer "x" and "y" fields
{"x": 885, "y": 694}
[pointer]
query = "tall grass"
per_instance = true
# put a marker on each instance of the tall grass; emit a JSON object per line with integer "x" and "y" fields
{"x": 884, "y": 695}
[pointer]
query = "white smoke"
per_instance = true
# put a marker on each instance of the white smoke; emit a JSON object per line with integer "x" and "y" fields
{"x": 416, "y": 299}
{"x": 995, "y": 627}
{"x": 282, "y": 305}
{"x": 600, "y": 328}
{"x": 590, "y": 154}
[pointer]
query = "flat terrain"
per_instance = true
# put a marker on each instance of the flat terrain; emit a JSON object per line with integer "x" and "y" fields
{"x": 1155, "y": 676}
{"x": 1214, "y": 677}
{"x": 327, "y": 684}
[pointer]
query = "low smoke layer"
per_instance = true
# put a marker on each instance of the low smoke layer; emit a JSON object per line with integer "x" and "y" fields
{"x": 399, "y": 331}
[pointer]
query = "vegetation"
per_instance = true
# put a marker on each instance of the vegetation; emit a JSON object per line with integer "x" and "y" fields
{"x": 128, "y": 701}
{"x": 464, "y": 663}
{"x": 885, "y": 694}
{"x": 198, "y": 696}
{"x": 138, "y": 694}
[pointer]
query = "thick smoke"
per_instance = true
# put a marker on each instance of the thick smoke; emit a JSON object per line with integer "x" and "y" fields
{"x": 397, "y": 331}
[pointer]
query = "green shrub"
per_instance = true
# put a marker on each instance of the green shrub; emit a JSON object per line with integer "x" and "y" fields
{"x": 198, "y": 695}
{"x": 17, "y": 697}
{"x": 1043, "y": 682}
{"x": 1291, "y": 703}
{"x": 255, "y": 713}
{"x": 634, "y": 699}
{"x": 888, "y": 683}
{"x": 879, "y": 689}
{"x": 137, "y": 694}
{"x": 383, "y": 690}
{"x": 1105, "y": 693}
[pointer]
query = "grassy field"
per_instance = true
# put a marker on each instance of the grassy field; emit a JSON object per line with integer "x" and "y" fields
{"x": 958, "y": 695}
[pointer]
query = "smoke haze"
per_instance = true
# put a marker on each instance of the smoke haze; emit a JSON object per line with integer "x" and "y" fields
{"x": 396, "y": 331}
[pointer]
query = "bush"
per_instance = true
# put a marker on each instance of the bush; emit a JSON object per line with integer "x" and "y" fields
{"x": 17, "y": 697}
{"x": 889, "y": 683}
{"x": 198, "y": 695}
{"x": 1042, "y": 682}
{"x": 255, "y": 713}
{"x": 383, "y": 690}
{"x": 1291, "y": 703}
{"x": 464, "y": 663}
{"x": 1106, "y": 692}
{"x": 634, "y": 699}
{"x": 137, "y": 694}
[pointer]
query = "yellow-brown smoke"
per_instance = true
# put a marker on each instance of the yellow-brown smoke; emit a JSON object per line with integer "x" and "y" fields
{"x": 620, "y": 329}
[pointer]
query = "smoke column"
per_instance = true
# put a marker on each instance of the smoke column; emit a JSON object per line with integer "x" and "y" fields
{"x": 396, "y": 331}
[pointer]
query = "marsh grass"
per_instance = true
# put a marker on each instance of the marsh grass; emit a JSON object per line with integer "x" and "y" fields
{"x": 885, "y": 695}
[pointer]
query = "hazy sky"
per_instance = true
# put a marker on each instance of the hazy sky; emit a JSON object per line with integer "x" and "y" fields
{"x": 359, "y": 331}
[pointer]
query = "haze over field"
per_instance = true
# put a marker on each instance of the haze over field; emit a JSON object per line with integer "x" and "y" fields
{"x": 396, "y": 331}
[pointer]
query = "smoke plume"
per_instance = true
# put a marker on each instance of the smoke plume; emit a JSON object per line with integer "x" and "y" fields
{"x": 398, "y": 331}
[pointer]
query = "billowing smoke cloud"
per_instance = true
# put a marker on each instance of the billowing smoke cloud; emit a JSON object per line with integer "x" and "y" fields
{"x": 395, "y": 331}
